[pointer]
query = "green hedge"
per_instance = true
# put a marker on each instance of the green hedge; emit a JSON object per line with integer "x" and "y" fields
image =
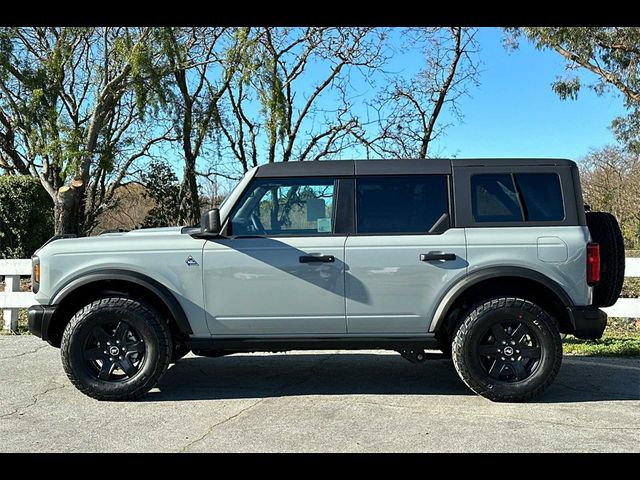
{"x": 26, "y": 216}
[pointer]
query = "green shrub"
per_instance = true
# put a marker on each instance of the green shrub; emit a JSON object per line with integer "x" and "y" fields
{"x": 26, "y": 216}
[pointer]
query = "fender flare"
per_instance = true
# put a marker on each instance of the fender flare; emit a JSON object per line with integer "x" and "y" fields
{"x": 155, "y": 287}
{"x": 478, "y": 276}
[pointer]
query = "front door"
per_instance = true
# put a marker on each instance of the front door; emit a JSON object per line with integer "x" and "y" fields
{"x": 281, "y": 271}
{"x": 404, "y": 254}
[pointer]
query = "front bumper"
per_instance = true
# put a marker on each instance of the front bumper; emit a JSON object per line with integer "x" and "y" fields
{"x": 588, "y": 322}
{"x": 39, "y": 318}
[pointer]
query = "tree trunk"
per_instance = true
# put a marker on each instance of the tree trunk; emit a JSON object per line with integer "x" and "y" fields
{"x": 67, "y": 210}
{"x": 189, "y": 196}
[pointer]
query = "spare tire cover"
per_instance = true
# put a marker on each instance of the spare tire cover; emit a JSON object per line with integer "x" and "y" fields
{"x": 605, "y": 230}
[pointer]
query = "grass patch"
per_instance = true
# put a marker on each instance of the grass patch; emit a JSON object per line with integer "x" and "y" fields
{"x": 621, "y": 339}
{"x": 23, "y": 328}
{"x": 632, "y": 253}
{"x": 631, "y": 287}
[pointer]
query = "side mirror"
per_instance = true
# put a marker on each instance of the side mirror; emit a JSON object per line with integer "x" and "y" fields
{"x": 210, "y": 222}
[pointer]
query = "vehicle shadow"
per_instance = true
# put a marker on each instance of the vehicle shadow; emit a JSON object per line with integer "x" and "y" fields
{"x": 581, "y": 379}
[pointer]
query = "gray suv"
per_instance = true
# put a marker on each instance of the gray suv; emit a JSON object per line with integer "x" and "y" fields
{"x": 488, "y": 261}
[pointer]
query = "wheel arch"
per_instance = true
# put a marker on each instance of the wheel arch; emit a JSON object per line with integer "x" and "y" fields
{"x": 88, "y": 286}
{"x": 516, "y": 281}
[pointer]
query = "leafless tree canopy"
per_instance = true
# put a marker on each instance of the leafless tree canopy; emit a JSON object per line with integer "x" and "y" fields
{"x": 84, "y": 109}
{"x": 611, "y": 183}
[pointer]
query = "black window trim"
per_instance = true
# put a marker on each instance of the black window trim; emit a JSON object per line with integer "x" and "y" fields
{"x": 449, "y": 189}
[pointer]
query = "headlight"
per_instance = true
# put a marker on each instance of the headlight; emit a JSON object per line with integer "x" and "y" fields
{"x": 35, "y": 274}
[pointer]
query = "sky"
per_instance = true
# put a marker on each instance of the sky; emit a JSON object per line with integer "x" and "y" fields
{"x": 514, "y": 112}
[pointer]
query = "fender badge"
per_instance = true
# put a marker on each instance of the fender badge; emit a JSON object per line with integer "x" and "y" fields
{"x": 190, "y": 261}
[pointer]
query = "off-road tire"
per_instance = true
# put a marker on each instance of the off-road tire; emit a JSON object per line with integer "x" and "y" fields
{"x": 148, "y": 323}
{"x": 606, "y": 232}
{"x": 466, "y": 344}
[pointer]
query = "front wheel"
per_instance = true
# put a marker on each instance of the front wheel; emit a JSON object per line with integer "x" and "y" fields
{"x": 507, "y": 349}
{"x": 116, "y": 349}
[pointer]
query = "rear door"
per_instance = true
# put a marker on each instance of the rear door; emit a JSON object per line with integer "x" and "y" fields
{"x": 404, "y": 254}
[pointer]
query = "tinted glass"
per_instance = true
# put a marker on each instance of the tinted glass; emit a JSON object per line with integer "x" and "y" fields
{"x": 542, "y": 196}
{"x": 291, "y": 206}
{"x": 402, "y": 204}
{"x": 534, "y": 197}
{"x": 494, "y": 198}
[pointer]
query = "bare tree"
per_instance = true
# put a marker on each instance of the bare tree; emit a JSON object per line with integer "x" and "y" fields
{"x": 611, "y": 182}
{"x": 289, "y": 123}
{"x": 407, "y": 111}
{"x": 201, "y": 74}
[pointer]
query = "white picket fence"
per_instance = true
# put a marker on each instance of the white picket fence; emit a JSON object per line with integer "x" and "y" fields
{"x": 12, "y": 299}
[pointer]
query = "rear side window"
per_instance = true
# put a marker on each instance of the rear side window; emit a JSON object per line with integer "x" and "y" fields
{"x": 415, "y": 204}
{"x": 519, "y": 197}
{"x": 542, "y": 196}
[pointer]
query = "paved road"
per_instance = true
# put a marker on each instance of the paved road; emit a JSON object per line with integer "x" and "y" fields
{"x": 314, "y": 401}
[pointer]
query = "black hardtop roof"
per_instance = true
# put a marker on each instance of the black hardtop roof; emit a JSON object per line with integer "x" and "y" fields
{"x": 397, "y": 167}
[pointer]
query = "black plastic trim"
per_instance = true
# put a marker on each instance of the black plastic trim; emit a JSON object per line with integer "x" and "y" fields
{"x": 345, "y": 208}
{"x": 306, "y": 169}
{"x": 588, "y": 323}
{"x": 474, "y": 278}
{"x": 577, "y": 189}
{"x": 402, "y": 167}
{"x": 328, "y": 343}
{"x": 396, "y": 166}
{"x": 39, "y": 317}
{"x": 150, "y": 284}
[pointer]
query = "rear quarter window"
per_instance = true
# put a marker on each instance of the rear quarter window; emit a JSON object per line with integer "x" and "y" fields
{"x": 519, "y": 197}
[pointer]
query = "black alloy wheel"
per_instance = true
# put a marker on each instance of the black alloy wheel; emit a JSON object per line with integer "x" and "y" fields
{"x": 114, "y": 351}
{"x": 509, "y": 351}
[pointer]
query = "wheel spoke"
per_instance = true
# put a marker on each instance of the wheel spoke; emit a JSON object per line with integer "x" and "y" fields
{"x": 127, "y": 366}
{"x": 487, "y": 350}
{"x": 519, "y": 370}
{"x": 102, "y": 336}
{"x": 530, "y": 352}
{"x": 498, "y": 332}
{"x": 496, "y": 368}
{"x": 94, "y": 354}
{"x": 136, "y": 347}
{"x": 519, "y": 333}
{"x": 121, "y": 332}
{"x": 106, "y": 369}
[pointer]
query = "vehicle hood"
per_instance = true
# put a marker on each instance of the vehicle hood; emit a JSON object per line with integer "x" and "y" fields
{"x": 145, "y": 239}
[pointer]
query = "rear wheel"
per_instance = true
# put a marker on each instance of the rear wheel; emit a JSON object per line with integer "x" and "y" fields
{"x": 116, "y": 349}
{"x": 507, "y": 349}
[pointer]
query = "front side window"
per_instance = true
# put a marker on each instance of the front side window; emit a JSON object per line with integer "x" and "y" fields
{"x": 289, "y": 206}
{"x": 412, "y": 204}
{"x": 518, "y": 197}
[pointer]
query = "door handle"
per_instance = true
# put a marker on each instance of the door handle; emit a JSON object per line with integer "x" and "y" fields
{"x": 317, "y": 258}
{"x": 427, "y": 257}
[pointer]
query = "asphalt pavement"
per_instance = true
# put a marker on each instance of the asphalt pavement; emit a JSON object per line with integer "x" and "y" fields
{"x": 321, "y": 401}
